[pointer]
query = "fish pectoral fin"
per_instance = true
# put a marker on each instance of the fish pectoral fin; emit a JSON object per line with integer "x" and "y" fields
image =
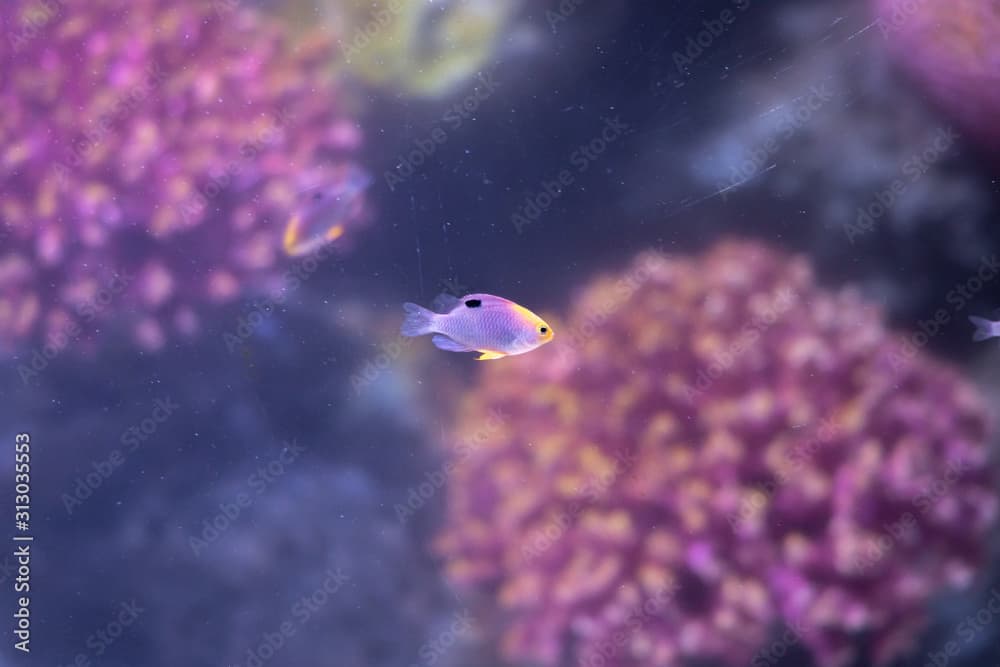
{"x": 443, "y": 342}
{"x": 488, "y": 354}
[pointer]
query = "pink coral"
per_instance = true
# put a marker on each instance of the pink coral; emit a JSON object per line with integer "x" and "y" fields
{"x": 710, "y": 449}
{"x": 953, "y": 47}
{"x": 151, "y": 154}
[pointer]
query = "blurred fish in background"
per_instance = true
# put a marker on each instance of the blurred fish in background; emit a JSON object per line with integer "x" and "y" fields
{"x": 152, "y": 154}
{"x": 326, "y": 204}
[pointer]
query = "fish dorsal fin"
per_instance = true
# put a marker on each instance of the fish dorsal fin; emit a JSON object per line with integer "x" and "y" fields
{"x": 445, "y": 303}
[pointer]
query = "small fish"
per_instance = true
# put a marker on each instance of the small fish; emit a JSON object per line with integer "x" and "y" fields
{"x": 483, "y": 323}
{"x": 985, "y": 329}
{"x": 325, "y": 203}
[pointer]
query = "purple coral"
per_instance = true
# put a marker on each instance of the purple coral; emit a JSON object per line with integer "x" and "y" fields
{"x": 711, "y": 449}
{"x": 151, "y": 154}
{"x": 953, "y": 48}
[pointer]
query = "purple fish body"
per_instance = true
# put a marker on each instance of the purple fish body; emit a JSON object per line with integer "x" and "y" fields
{"x": 493, "y": 326}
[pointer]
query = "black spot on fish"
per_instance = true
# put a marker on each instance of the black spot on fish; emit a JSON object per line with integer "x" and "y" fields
{"x": 473, "y": 303}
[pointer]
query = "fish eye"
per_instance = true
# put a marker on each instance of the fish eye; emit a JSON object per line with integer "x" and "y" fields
{"x": 543, "y": 330}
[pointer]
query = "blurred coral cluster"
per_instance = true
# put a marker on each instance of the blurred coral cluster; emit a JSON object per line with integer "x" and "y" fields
{"x": 713, "y": 449}
{"x": 151, "y": 154}
{"x": 953, "y": 48}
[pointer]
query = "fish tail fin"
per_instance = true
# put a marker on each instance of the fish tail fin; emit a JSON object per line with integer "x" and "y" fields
{"x": 984, "y": 328}
{"x": 419, "y": 321}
